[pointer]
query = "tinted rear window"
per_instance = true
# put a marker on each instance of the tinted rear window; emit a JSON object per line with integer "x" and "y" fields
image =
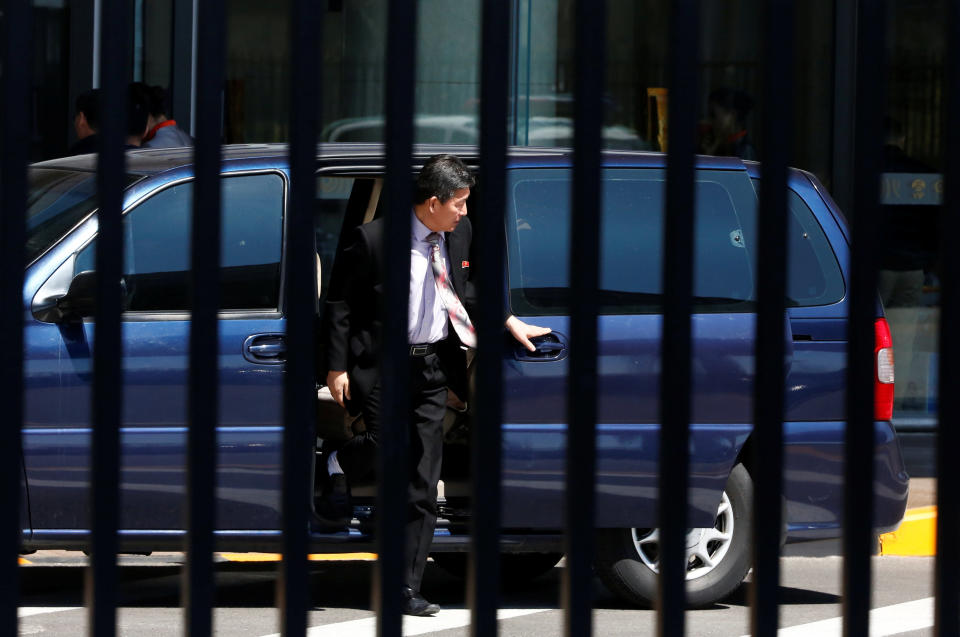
{"x": 631, "y": 241}
{"x": 813, "y": 273}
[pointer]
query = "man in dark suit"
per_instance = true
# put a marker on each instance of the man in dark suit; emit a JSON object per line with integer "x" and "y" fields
{"x": 439, "y": 329}
{"x": 86, "y": 123}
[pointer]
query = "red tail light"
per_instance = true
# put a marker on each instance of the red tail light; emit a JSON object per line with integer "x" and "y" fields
{"x": 883, "y": 371}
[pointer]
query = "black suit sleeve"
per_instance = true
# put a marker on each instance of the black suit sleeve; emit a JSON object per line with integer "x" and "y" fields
{"x": 469, "y": 297}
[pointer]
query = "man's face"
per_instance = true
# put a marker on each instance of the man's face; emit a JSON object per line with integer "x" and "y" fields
{"x": 445, "y": 215}
{"x": 81, "y": 126}
{"x": 724, "y": 119}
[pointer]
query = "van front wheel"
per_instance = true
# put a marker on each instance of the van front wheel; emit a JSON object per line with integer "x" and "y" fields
{"x": 718, "y": 557}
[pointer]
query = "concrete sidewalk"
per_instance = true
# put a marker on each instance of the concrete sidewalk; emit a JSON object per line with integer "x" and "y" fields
{"x": 923, "y": 492}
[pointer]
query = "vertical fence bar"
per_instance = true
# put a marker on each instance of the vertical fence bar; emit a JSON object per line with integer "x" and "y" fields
{"x": 484, "y": 582}
{"x": 844, "y": 102}
{"x": 947, "y": 617}
{"x": 586, "y": 220}
{"x": 770, "y": 375}
{"x": 515, "y": 35}
{"x": 204, "y": 336}
{"x": 107, "y": 402}
{"x": 16, "y": 31}
{"x": 858, "y": 539}
{"x": 181, "y": 64}
{"x": 301, "y": 293}
{"x": 675, "y": 342}
{"x": 395, "y": 382}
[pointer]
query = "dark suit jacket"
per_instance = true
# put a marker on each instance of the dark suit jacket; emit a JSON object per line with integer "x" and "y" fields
{"x": 84, "y": 146}
{"x": 353, "y": 324}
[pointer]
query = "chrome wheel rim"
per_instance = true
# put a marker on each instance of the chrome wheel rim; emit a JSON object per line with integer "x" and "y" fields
{"x": 706, "y": 547}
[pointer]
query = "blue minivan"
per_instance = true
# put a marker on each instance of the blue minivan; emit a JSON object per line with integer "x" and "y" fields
{"x": 62, "y": 238}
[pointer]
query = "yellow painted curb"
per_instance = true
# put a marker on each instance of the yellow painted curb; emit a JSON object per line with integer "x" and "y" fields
{"x": 916, "y": 536}
{"x": 343, "y": 557}
{"x": 315, "y": 557}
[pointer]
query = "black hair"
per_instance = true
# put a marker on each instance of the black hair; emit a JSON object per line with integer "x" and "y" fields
{"x": 156, "y": 97}
{"x": 441, "y": 177}
{"x": 137, "y": 109}
{"x": 88, "y": 103}
{"x": 153, "y": 96}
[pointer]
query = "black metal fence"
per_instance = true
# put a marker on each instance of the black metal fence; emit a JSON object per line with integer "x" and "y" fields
{"x": 293, "y": 597}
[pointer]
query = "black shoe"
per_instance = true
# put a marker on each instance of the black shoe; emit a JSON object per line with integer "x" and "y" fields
{"x": 414, "y": 604}
{"x": 333, "y": 506}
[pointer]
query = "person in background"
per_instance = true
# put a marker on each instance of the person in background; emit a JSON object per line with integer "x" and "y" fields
{"x": 908, "y": 249}
{"x": 86, "y": 123}
{"x": 138, "y": 111}
{"x": 909, "y": 232}
{"x": 162, "y": 132}
{"x": 725, "y": 132}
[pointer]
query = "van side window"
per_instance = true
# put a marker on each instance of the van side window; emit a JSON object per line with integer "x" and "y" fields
{"x": 631, "y": 249}
{"x": 813, "y": 273}
{"x": 157, "y": 247}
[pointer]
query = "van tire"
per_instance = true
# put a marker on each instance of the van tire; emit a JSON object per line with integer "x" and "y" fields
{"x": 514, "y": 567}
{"x": 628, "y": 574}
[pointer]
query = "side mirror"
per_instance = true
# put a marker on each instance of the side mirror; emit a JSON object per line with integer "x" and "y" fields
{"x": 81, "y": 297}
{"x": 60, "y": 302}
{"x": 44, "y": 304}
{"x": 68, "y": 298}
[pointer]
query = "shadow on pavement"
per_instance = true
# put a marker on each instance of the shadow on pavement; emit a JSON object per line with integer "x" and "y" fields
{"x": 788, "y": 596}
{"x": 332, "y": 585}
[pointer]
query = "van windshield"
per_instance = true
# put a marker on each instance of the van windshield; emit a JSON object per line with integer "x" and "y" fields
{"x": 58, "y": 200}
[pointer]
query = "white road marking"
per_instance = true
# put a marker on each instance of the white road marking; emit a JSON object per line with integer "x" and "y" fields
{"x": 30, "y": 611}
{"x": 887, "y": 620}
{"x": 444, "y": 620}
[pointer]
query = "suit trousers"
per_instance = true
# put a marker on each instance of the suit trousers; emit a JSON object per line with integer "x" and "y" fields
{"x": 357, "y": 457}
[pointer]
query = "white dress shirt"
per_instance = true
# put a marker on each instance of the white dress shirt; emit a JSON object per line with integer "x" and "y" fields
{"x": 426, "y": 316}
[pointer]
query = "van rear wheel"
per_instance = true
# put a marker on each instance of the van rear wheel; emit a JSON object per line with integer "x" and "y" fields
{"x": 718, "y": 557}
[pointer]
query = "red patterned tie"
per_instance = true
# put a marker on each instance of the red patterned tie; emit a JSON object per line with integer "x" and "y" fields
{"x": 448, "y": 296}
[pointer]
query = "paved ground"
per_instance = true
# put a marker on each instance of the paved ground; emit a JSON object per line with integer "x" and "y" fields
{"x": 923, "y": 492}
{"x": 52, "y": 597}
{"x": 919, "y": 450}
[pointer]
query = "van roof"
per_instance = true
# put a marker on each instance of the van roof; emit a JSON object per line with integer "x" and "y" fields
{"x": 152, "y": 161}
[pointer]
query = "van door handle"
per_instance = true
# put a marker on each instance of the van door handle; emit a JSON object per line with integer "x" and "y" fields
{"x": 546, "y": 347}
{"x": 265, "y": 348}
{"x": 268, "y": 350}
{"x": 550, "y": 347}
